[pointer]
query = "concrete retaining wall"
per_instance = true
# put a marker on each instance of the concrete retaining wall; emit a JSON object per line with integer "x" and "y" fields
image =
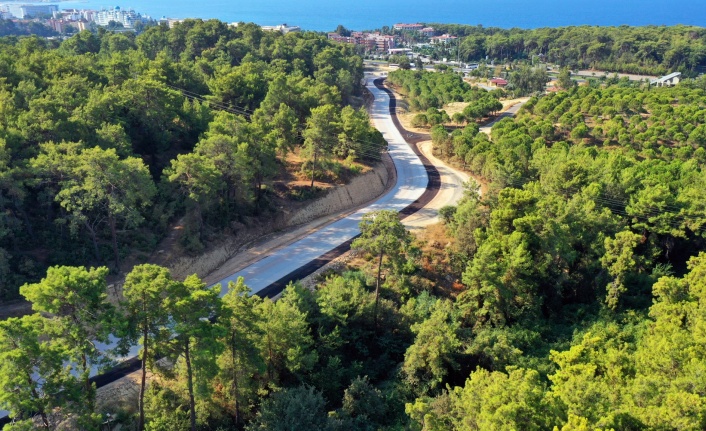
{"x": 360, "y": 190}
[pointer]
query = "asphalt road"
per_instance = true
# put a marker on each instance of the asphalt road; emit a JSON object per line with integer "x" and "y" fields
{"x": 267, "y": 276}
{"x": 412, "y": 181}
{"x": 451, "y": 191}
{"x": 509, "y": 113}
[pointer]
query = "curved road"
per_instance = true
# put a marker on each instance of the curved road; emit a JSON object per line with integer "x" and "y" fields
{"x": 412, "y": 181}
{"x": 510, "y": 112}
{"x": 268, "y": 273}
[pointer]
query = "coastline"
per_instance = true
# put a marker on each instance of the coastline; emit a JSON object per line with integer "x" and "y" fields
{"x": 318, "y": 15}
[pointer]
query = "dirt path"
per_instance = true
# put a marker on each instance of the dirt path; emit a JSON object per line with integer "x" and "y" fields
{"x": 601, "y": 73}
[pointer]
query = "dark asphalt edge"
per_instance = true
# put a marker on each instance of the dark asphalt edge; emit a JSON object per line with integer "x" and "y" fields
{"x": 433, "y": 187}
{"x": 274, "y": 289}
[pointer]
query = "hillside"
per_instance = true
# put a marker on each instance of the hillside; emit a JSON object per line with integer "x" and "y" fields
{"x": 107, "y": 139}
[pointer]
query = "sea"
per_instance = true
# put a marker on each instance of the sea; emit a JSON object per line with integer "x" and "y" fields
{"x": 326, "y": 15}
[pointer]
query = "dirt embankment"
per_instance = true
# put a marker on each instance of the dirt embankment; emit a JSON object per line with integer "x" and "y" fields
{"x": 360, "y": 190}
{"x": 252, "y": 243}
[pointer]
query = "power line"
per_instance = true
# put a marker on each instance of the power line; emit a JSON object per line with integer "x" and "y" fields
{"x": 367, "y": 153}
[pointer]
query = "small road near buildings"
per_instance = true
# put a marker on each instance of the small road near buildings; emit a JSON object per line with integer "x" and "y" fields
{"x": 601, "y": 73}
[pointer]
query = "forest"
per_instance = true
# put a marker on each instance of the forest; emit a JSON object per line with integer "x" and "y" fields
{"x": 580, "y": 265}
{"x": 564, "y": 292}
{"x": 651, "y": 50}
{"x": 11, "y": 28}
{"x": 107, "y": 138}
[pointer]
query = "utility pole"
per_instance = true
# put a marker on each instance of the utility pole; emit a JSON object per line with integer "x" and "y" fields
{"x": 458, "y": 52}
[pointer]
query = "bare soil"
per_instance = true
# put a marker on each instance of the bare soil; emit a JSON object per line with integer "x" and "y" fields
{"x": 455, "y": 107}
{"x": 509, "y": 103}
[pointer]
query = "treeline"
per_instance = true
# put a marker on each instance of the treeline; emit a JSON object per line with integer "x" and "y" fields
{"x": 580, "y": 267}
{"x": 430, "y": 91}
{"x": 222, "y": 363}
{"x": 12, "y": 28}
{"x": 648, "y": 50}
{"x": 105, "y": 138}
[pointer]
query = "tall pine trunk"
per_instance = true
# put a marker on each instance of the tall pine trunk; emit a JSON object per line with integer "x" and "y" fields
{"x": 114, "y": 235}
{"x": 94, "y": 239}
{"x": 377, "y": 290}
{"x": 90, "y": 394}
{"x": 141, "y": 425}
{"x": 190, "y": 382}
{"x": 313, "y": 170}
{"x": 42, "y": 413}
{"x": 234, "y": 383}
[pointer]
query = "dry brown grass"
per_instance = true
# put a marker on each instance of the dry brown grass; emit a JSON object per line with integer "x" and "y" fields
{"x": 455, "y": 107}
{"x": 406, "y": 121}
{"x": 435, "y": 244}
{"x": 509, "y": 103}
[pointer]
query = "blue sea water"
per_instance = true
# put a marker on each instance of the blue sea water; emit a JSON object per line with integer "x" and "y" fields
{"x": 325, "y": 15}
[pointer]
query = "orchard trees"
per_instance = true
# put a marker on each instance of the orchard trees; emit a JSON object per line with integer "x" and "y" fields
{"x": 427, "y": 90}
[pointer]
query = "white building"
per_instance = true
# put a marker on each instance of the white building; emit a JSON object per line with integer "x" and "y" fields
{"x": 25, "y": 11}
{"x": 667, "y": 81}
{"x": 128, "y": 18}
{"x": 403, "y": 51}
{"x": 444, "y": 38}
{"x": 284, "y": 28}
{"x": 408, "y": 27}
{"x": 68, "y": 14}
{"x": 169, "y": 22}
{"x": 428, "y": 31}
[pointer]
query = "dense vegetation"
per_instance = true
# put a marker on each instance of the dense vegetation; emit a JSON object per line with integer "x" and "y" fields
{"x": 649, "y": 50}
{"x": 11, "y": 28}
{"x": 263, "y": 364}
{"x": 106, "y": 138}
{"x": 568, "y": 296}
{"x": 594, "y": 213}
